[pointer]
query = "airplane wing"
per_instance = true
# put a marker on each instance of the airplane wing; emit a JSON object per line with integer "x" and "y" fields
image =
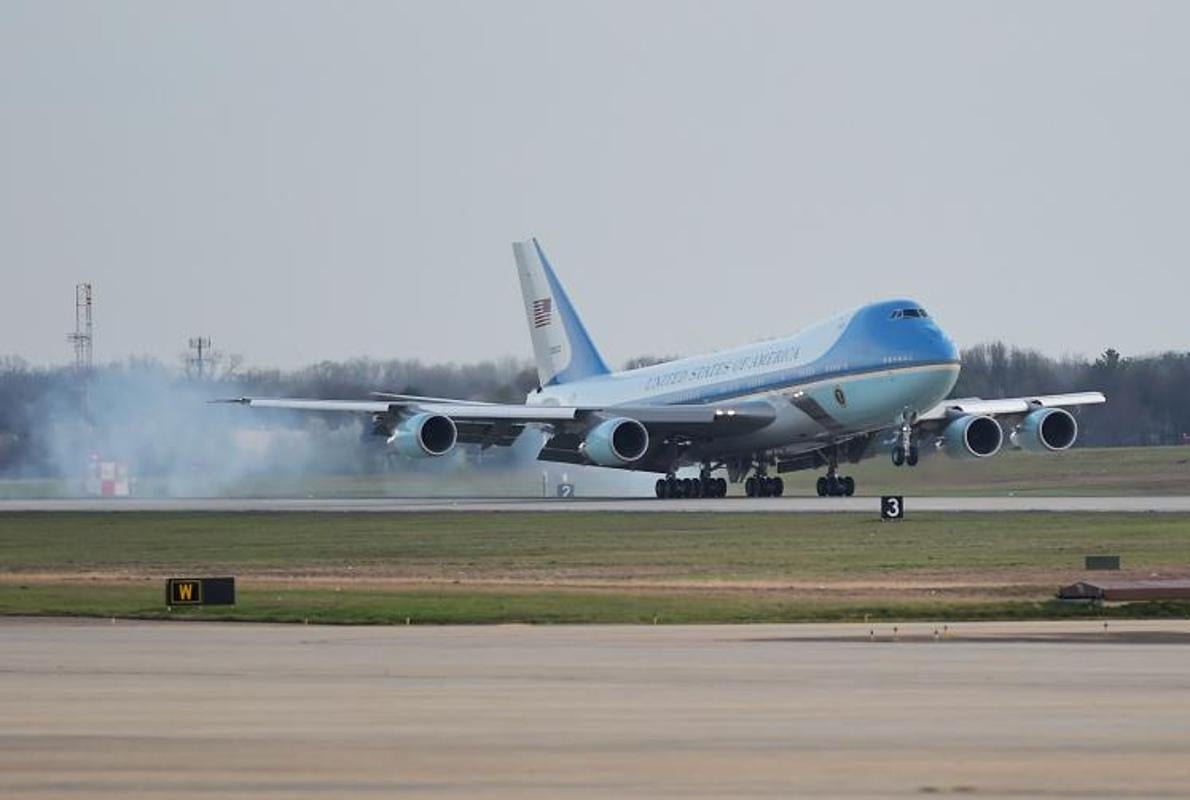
{"x": 500, "y": 424}
{"x": 1007, "y": 406}
{"x": 455, "y": 409}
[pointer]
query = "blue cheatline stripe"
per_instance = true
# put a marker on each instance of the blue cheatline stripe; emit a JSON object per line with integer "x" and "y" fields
{"x": 585, "y": 360}
{"x": 773, "y": 381}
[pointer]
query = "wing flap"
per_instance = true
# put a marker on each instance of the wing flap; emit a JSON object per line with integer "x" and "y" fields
{"x": 728, "y": 419}
{"x": 510, "y": 413}
{"x": 356, "y": 406}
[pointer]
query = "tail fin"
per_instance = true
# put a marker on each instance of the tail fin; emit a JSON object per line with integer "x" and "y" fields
{"x": 563, "y": 350}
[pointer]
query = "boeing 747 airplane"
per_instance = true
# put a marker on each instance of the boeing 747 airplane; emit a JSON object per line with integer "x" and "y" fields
{"x": 837, "y": 392}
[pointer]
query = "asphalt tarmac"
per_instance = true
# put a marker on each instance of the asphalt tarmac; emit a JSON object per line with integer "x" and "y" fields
{"x": 188, "y": 710}
{"x": 730, "y": 504}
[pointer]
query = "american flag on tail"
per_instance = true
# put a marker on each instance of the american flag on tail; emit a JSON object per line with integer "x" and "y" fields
{"x": 541, "y": 312}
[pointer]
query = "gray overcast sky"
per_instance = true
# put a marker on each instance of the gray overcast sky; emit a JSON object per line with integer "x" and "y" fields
{"x": 306, "y": 181}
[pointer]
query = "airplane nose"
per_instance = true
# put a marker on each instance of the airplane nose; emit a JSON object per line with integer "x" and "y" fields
{"x": 945, "y": 348}
{"x": 939, "y": 345}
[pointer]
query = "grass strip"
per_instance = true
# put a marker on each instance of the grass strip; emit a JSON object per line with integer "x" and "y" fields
{"x": 595, "y": 545}
{"x": 145, "y": 600}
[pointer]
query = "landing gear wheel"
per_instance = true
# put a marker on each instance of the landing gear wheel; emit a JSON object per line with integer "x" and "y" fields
{"x": 911, "y": 459}
{"x": 695, "y": 488}
{"x": 898, "y": 456}
{"x": 662, "y": 488}
{"x": 778, "y": 487}
{"x": 834, "y": 486}
{"x": 750, "y": 487}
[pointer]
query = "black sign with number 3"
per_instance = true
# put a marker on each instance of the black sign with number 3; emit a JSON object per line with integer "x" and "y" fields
{"x": 892, "y": 507}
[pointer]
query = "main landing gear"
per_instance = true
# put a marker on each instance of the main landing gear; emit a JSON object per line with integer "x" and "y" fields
{"x": 758, "y": 483}
{"x": 671, "y": 487}
{"x": 831, "y": 484}
{"x": 834, "y": 486}
{"x": 764, "y": 486}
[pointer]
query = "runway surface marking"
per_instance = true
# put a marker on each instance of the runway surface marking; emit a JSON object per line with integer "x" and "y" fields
{"x": 186, "y": 710}
{"x": 1170, "y": 504}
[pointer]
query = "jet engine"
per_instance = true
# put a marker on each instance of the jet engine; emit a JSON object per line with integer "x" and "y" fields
{"x": 424, "y": 435}
{"x": 1045, "y": 430}
{"x": 973, "y": 436}
{"x": 616, "y": 442}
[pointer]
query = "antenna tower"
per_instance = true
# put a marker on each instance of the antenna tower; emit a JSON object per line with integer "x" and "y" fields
{"x": 200, "y": 354}
{"x": 83, "y": 337}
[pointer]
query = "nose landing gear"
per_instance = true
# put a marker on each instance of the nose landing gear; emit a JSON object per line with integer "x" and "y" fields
{"x": 905, "y": 449}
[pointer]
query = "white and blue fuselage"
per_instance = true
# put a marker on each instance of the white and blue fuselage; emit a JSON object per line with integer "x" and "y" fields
{"x": 852, "y": 373}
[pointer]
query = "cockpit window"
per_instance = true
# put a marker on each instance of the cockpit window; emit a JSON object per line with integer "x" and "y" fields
{"x": 903, "y": 313}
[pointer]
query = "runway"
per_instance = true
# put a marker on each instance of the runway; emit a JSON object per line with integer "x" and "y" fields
{"x": 187, "y": 710}
{"x": 1167, "y": 504}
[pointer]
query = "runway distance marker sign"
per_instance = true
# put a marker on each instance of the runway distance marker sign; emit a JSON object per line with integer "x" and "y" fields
{"x": 892, "y": 507}
{"x": 200, "y": 592}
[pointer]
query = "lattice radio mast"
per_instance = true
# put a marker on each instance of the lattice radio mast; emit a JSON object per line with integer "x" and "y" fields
{"x": 83, "y": 336}
{"x": 200, "y": 354}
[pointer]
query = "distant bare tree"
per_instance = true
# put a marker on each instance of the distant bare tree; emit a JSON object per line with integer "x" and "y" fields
{"x": 647, "y": 361}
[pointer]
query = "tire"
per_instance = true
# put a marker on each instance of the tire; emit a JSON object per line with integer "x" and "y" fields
{"x": 672, "y": 485}
{"x": 821, "y": 486}
{"x": 722, "y": 487}
{"x": 898, "y": 456}
{"x": 695, "y": 488}
{"x": 687, "y": 488}
{"x": 750, "y": 487}
{"x": 662, "y": 489}
{"x": 778, "y": 487}
{"x": 848, "y": 486}
{"x": 911, "y": 459}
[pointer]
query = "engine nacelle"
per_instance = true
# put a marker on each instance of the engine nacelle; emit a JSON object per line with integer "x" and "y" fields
{"x": 616, "y": 442}
{"x": 973, "y": 437}
{"x": 423, "y": 435}
{"x": 1045, "y": 430}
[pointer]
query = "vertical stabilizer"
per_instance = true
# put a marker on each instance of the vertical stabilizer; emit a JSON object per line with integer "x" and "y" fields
{"x": 561, "y": 346}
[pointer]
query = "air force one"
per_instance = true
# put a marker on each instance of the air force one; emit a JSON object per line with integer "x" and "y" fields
{"x": 839, "y": 391}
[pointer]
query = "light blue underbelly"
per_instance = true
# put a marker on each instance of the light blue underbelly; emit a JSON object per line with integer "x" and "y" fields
{"x": 870, "y": 401}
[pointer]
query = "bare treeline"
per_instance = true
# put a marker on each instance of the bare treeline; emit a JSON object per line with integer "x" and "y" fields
{"x": 1149, "y": 396}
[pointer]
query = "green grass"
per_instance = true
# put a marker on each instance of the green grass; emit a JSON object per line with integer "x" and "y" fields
{"x": 145, "y": 600}
{"x": 652, "y": 547}
{"x": 574, "y": 567}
